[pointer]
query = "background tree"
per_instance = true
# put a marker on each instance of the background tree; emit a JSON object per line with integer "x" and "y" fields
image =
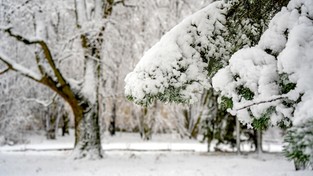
{"x": 55, "y": 24}
{"x": 52, "y": 40}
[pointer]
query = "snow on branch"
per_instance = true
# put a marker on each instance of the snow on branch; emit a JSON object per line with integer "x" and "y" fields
{"x": 254, "y": 103}
{"x": 4, "y": 71}
{"x": 12, "y": 65}
{"x": 279, "y": 66}
{"x": 123, "y": 3}
{"x": 176, "y": 68}
{"x": 41, "y": 102}
{"x": 46, "y": 50}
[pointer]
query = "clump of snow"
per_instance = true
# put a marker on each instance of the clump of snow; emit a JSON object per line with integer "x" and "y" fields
{"x": 251, "y": 68}
{"x": 175, "y": 69}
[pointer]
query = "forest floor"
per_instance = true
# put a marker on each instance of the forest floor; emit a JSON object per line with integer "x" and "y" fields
{"x": 127, "y": 155}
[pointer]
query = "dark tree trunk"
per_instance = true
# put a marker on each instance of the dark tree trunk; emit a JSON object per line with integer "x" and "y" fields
{"x": 51, "y": 123}
{"x": 146, "y": 120}
{"x": 113, "y": 119}
{"x": 258, "y": 145}
{"x": 65, "y": 126}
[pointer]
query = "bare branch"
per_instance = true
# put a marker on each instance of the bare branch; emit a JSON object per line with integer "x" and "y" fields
{"x": 123, "y": 3}
{"x": 260, "y": 102}
{"x": 40, "y": 67}
{"x": 46, "y": 52}
{"x": 41, "y": 102}
{"x": 4, "y": 71}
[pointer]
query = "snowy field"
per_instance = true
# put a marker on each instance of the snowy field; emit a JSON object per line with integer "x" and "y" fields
{"x": 127, "y": 155}
{"x": 145, "y": 164}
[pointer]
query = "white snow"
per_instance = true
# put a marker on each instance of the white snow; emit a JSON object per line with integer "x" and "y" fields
{"x": 132, "y": 142}
{"x": 126, "y": 154}
{"x": 153, "y": 164}
{"x": 90, "y": 83}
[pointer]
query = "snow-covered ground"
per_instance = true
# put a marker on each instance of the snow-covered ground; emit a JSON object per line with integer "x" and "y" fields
{"x": 146, "y": 163}
{"x": 127, "y": 155}
{"x": 272, "y": 142}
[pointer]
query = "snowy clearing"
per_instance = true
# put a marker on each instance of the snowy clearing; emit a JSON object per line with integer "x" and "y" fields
{"x": 146, "y": 163}
{"x": 127, "y": 155}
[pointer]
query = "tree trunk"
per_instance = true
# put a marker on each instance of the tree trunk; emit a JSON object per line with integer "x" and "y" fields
{"x": 87, "y": 133}
{"x": 259, "y": 141}
{"x": 50, "y": 129}
{"x": 238, "y": 136}
{"x": 52, "y": 122}
{"x": 113, "y": 119}
{"x": 146, "y": 121}
{"x": 65, "y": 125}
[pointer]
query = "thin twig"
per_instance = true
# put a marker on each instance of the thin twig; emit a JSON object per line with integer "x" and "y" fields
{"x": 4, "y": 71}
{"x": 260, "y": 102}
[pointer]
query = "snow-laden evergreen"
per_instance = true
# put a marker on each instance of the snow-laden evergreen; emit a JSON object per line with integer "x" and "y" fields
{"x": 180, "y": 65}
{"x": 282, "y": 57}
{"x": 272, "y": 82}
{"x": 175, "y": 69}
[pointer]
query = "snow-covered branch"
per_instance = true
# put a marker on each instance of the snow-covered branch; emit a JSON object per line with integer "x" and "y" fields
{"x": 12, "y": 65}
{"x": 278, "y": 68}
{"x": 41, "y": 102}
{"x": 4, "y": 71}
{"x": 47, "y": 53}
{"x": 254, "y": 103}
{"x": 176, "y": 68}
{"x": 124, "y": 3}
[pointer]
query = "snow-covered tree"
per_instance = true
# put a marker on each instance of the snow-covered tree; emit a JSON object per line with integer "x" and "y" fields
{"x": 133, "y": 31}
{"x": 182, "y": 63}
{"x": 179, "y": 65}
{"x": 271, "y": 82}
{"x": 55, "y": 32}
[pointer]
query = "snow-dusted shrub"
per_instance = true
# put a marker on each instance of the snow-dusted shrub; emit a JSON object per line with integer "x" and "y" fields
{"x": 299, "y": 145}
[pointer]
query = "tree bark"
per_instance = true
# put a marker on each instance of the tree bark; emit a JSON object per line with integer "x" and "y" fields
{"x": 113, "y": 119}
{"x": 238, "y": 136}
{"x": 259, "y": 141}
{"x": 87, "y": 133}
